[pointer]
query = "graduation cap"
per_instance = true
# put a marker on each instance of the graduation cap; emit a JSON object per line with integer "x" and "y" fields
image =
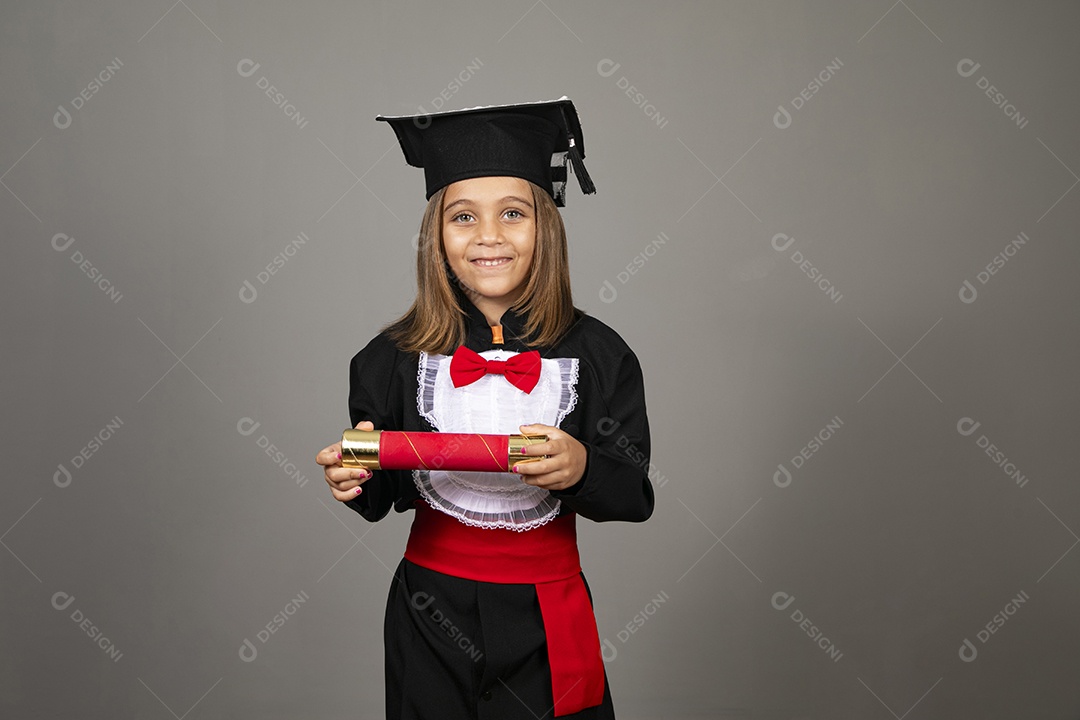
{"x": 529, "y": 140}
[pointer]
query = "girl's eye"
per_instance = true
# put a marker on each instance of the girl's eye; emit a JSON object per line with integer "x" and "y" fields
{"x": 514, "y": 214}
{"x": 462, "y": 217}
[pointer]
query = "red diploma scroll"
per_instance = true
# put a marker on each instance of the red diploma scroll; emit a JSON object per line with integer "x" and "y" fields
{"x": 393, "y": 450}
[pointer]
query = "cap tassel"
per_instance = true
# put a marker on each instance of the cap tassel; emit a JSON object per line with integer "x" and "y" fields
{"x": 577, "y": 164}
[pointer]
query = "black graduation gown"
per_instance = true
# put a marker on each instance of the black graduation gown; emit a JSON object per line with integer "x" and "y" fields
{"x": 458, "y": 648}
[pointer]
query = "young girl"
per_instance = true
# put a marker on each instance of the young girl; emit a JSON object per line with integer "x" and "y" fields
{"x": 488, "y": 614}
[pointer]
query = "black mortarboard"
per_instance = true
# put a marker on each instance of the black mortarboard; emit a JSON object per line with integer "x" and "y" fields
{"x": 527, "y": 140}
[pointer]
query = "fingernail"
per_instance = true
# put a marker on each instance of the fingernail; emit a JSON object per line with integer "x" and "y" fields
{"x": 339, "y": 456}
{"x": 358, "y": 490}
{"x": 514, "y": 469}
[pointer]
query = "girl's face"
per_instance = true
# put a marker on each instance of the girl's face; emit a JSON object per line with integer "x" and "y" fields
{"x": 488, "y": 233}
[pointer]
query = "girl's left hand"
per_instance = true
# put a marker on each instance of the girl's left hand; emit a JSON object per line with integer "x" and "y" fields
{"x": 565, "y": 462}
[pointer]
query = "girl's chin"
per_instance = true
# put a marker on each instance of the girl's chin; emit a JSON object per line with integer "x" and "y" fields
{"x": 492, "y": 296}
{"x": 493, "y": 292}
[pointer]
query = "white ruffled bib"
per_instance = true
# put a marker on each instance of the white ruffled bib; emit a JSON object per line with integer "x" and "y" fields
{"x": 491, "y": 405}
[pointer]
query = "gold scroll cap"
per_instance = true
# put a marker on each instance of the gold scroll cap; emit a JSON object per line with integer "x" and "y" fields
{"x": 360, "y": 449}
{"x": 517, "y": 442}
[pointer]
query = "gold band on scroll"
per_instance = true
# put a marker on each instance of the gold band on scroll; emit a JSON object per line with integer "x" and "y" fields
{"x": 360, "y": 449}
{"x": 514, "y": 450}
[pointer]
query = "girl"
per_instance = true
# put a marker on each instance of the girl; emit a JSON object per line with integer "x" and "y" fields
{"x": 488, "y": 614}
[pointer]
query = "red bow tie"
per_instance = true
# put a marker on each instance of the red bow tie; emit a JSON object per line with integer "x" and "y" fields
{"x": 522, "y": 370}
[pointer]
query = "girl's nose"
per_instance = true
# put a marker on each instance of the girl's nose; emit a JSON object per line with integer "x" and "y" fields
{"x": 489, "y": 230}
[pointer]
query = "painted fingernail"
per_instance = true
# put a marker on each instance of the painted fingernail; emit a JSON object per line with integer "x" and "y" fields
{"x": 514, "y": 469}
{"x": 358, "y": 490}
{"x": 339, "y": 456}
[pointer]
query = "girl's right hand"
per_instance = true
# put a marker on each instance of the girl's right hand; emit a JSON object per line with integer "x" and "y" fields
{"x": 344, "y": 482}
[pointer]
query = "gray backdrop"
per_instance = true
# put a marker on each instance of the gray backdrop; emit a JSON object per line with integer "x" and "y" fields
{"x": 840, "y": 237}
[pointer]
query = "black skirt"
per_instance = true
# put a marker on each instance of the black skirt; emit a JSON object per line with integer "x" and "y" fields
{"x": 460, "y": 649}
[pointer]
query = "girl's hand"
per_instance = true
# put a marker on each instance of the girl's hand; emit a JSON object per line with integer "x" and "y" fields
{"x": 344, "y": 482}
{"x": 565, "y": 462}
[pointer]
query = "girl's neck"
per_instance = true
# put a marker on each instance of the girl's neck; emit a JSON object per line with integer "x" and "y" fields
{"x": 494, "y": 308}
{"x": 492, "y": 311}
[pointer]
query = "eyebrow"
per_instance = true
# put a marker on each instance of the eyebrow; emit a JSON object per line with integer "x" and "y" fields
{"x": 508, "y": 198}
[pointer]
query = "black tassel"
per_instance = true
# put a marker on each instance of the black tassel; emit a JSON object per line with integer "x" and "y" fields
{"x": 577, "y": 163}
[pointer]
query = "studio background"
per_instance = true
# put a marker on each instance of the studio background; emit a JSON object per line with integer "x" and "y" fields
{"x": 841, "y": 238}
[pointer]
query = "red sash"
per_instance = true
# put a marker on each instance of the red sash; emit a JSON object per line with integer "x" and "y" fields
{"x": 547, "y": 557}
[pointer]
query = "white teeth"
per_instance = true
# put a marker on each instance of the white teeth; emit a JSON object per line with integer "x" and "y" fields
{"x": 491, "y": 263}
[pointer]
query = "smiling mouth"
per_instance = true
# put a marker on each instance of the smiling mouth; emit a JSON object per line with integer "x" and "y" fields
{"x": 490, "y": 262}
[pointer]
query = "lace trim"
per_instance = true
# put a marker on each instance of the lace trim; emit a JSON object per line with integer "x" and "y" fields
{"x": 505, "y": 489}
{"x": 518, "y": 521}
{"x": 568, "y": 375}
{"x": 426, "y": 372}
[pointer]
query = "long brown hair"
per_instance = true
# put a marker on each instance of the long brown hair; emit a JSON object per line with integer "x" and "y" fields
{"x": 436, "y": 321}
